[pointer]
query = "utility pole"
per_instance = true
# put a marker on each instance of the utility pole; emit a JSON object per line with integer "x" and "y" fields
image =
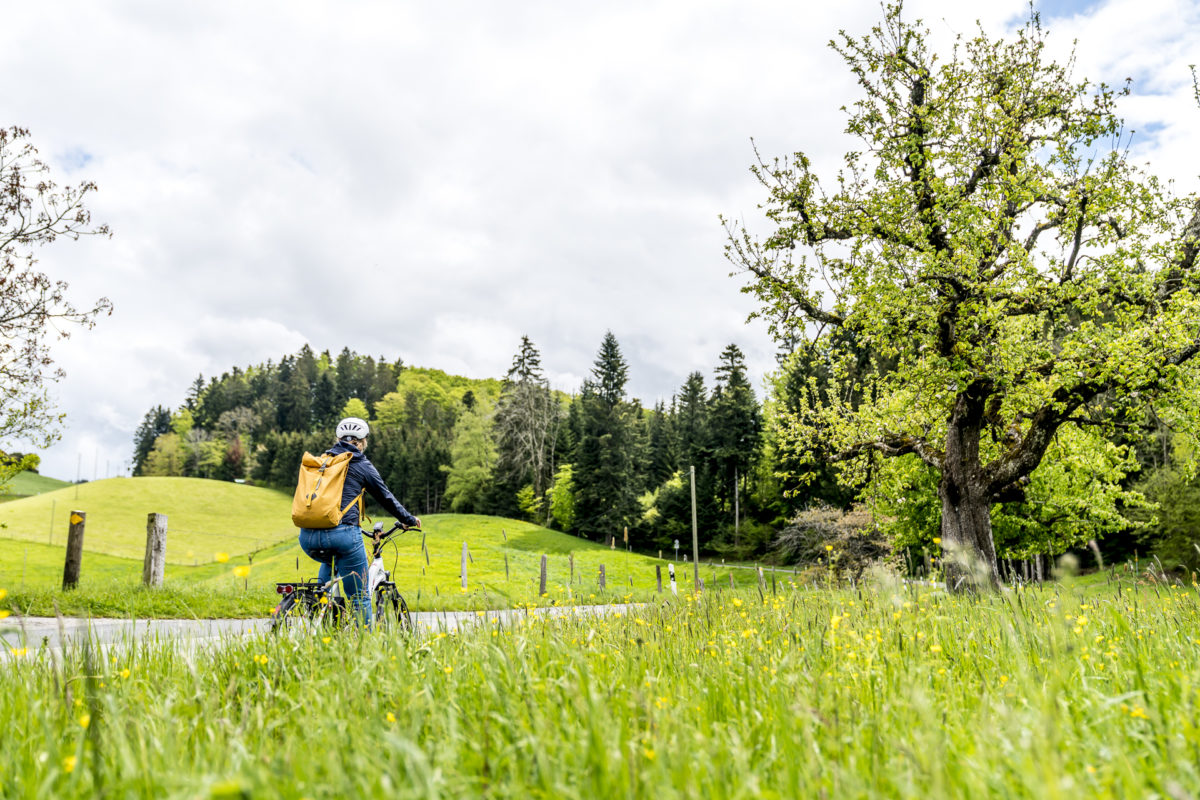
{"x": 695, "y": 534}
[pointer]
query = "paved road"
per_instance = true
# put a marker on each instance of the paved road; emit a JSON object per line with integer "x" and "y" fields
{"x": 33, "y": 632}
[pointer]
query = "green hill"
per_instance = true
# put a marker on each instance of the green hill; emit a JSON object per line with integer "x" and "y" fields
{"x": 203, "y": 517}
{"x": 251, "y": 526}
{"x": 30, "y": 483}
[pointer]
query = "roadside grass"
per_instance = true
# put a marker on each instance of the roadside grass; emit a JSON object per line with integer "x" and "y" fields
{"x": 885, "y": 691}
{"x": 204, "y": 517}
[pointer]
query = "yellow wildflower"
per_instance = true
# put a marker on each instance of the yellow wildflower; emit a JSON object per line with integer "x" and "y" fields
{"x": 69, "y": 763}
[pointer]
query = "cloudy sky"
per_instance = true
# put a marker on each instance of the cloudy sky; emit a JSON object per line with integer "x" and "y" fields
{"x": 431, "y": 180}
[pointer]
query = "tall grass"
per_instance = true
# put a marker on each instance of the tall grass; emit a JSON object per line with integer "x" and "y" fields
{"x": 886, "y": 692}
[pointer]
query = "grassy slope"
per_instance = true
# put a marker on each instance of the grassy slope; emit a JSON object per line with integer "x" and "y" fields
{"x": 204, "y": 517}
{"x": 28, "y": 483}
{"x": 32, "y": 572}
{"x": 252, "y": 526}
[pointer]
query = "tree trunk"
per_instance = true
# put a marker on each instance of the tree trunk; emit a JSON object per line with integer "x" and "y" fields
{"x": 969, "y": 558}
{"x": 968, "y": 552}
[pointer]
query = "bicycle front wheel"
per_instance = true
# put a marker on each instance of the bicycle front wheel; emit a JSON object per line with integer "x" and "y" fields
{"x": 391, "y": 612}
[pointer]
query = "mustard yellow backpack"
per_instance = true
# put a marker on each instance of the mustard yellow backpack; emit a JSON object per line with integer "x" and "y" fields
{"x": 318, "y": 499}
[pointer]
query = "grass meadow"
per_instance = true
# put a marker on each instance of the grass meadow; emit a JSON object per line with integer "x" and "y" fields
{"x": 503, "y": 564}
{"x": 887, "y": 691}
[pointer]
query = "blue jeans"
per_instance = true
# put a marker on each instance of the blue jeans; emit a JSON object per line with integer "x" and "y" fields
{"x": 341, "y": 548}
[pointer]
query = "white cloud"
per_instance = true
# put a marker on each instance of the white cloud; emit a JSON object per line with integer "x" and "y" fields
{"x": 476, "y": 171}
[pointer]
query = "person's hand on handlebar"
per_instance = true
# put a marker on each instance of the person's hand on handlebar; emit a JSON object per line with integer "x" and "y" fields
{"x": 416, "y": 527}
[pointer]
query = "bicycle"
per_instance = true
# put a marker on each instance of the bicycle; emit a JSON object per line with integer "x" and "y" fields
{"x": 313, "y": 604}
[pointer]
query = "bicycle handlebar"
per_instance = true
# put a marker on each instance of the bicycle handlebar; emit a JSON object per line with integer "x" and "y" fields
{"x": 380, "y": 536}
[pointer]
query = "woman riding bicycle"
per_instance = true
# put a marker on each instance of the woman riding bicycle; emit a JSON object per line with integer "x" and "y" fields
{"x": 342, "y": 546}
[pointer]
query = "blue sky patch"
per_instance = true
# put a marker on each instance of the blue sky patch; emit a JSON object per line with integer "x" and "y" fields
{"x": 75, "y": 159}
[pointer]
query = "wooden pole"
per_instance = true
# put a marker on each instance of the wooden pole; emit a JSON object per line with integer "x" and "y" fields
{"x": 542, "y": 582}
{"x": 658, "y": 575}
{"x": 155, "y": 561}
{"x": 571, "y": 558}
{"x": 601, "y": 577}
{"x": 74, "y": 550}
{"x": 463, "y": 574}
{"x": 506, "y": 567}
{"x": 695, "y": 534}
{"x": 736, "y": 515}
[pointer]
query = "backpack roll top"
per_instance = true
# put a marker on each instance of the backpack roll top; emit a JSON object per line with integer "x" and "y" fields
{"x": 317, "y": 502}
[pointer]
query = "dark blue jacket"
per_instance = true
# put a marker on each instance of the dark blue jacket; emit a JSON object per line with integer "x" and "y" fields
{"x": 363, "y": 475}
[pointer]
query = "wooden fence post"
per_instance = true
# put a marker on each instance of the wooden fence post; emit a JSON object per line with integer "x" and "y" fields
{"x": 658, "y": 575}
{"x": 156, "y": 549}
{"x": 571, "y": 558}
{"x": 542, "y": 582}
{"x": 506, "y": 567}
{"x": 464, "y": 567}
{"x": 74, "y": 550}
{"x": 731, "y": 579}
{"x": 772, "y": 579}
{"x": 601, "y": 577}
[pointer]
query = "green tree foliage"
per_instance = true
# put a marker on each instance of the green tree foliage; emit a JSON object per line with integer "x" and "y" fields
{"x": 995, "y": 243}
{"x": 603, "y": 472}
{"x": 34, "y": 310}
{"x": 735, "y": 424}
{"x": 562, "y": 498}
{"x": 527, "y": 421}
{"x": 156, "y": 422}
{"x": 472, "y": 458}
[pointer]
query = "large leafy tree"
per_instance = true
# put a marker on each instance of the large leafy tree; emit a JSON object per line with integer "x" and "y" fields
{"x": 34, "y": 310}
{"x": 992, "y": 241}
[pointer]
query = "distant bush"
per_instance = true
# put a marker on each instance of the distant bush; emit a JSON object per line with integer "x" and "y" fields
{"x": 847, "y": 541}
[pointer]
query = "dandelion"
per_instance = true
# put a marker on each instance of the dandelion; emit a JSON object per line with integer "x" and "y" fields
{"x": 85, "y": 720}
{"x": 447, "y": 669}
{"x": 242, "y": 571}
{"x": 935, "y": 648}
{"x": 125, "y": 673}
{"x": 4, "y": 612}
{"x": 391, "y": 717}
{"x": 3, "y": 593}
{"x": 69, "y": 763}
{"x": 18, "y": 651}
{"x": 649, "y": 753}
{"x": 221, "y": 558}
{"x": 326, "y": 639}
{"x": 828, "y": 548}
{"x": 937, "y": 540}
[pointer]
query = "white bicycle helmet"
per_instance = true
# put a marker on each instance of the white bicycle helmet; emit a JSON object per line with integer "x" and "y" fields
{"x": 352, "y": 428}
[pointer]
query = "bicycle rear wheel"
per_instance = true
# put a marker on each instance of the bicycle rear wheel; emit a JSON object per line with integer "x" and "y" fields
{"x": 391, "y": 612}
{"x": 286, "y": 615}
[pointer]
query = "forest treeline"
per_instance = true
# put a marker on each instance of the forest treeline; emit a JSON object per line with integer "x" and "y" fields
{"x": 600, "y": 464}
{"x": 596, "y": 463}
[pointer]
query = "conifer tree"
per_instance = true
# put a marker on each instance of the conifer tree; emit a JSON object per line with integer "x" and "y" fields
{"x": 603, "y": 472}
